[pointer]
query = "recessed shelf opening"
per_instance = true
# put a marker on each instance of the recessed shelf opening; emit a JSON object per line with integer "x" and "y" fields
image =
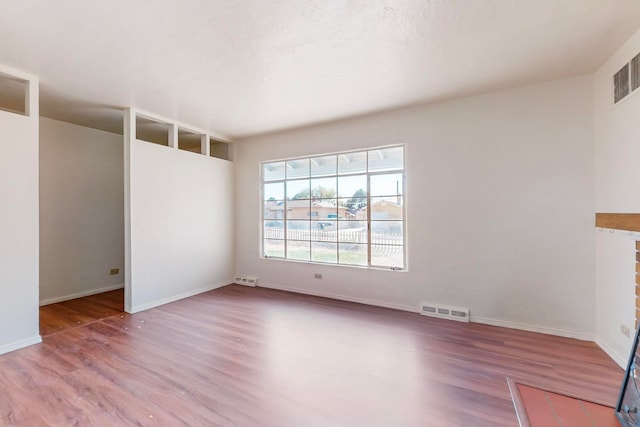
{"x": 189, "y": 141}
{"x": 219, "y": 149}
{"x": 13, "y": 94}
{"x": 152, "y": 131}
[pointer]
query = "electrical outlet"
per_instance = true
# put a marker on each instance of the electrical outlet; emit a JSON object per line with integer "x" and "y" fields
{"x": 114, "y": 271}
{"x": 317, "y": 276}
{"x": 625, "y": 330}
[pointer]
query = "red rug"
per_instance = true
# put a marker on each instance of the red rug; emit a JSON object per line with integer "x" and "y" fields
{"x": 540, "y": 407}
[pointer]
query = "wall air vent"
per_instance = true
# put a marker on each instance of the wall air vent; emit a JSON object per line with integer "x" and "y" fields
{"x": 621, "y": 84}
{"x": 429, "y": 309}
{"x": 627, "y": 79}
{"x": 635, "y": 72}
{"x": 445, "y": 312}
{"x": 246, "y": 280}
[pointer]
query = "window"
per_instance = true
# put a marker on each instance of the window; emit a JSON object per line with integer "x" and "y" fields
{"x": 344, "y": 208}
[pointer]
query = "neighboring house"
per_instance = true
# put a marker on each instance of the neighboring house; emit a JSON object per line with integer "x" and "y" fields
{"x": 381, "y": 209}
{"x": 304, "y": 209}
{"x": 274, "y": 210}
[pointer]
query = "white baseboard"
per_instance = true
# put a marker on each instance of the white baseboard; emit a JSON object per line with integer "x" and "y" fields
{"x": 358, "y": 300}
{"x": 533, "y": 328}
{"x": 619, "y": 359}
{"x": 81, "y": 294}
{"x": 159, "y": 302}
{"x": 20, "y": 344}
{"x": 415, "y": 309}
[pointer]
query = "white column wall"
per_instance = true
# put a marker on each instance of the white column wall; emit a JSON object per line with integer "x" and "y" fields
{"x": 179, "y": 221}
{"x": 19, "y": 224}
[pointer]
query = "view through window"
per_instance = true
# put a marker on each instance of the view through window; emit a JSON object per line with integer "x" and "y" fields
{"x": 344, "y": 208}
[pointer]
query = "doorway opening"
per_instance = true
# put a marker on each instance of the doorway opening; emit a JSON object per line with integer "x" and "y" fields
{"x": 81, "y": 225}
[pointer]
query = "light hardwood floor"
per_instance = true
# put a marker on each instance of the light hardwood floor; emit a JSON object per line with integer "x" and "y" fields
{"x": 241, "y": 356}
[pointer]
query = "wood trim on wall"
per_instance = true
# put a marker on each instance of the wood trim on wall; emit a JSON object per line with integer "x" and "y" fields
{"x": 619, "y": 221}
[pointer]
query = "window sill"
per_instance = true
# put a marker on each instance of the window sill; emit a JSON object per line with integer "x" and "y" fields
{"x": 326, "y": 264}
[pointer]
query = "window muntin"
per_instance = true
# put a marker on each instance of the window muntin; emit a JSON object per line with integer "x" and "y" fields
{"x": 344, "y": 208}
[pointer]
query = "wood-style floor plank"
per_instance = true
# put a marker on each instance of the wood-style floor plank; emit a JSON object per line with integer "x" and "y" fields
{"x": 240, "y": 356}
{"x": 80, "y": 311}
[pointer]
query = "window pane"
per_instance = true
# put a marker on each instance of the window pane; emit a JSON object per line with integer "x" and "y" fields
{"x": 387, "y": 256}
{"x": 386, "y": 159}
{"x": 274, "y": 191}
{"x": 386, "y": 184}
{"x": 349, "y": 163}
{"x": 325, "y": 165}
{"x": 352, "y": 231}
{"x": 324, "y": 252}
{"x": 386, "y": 208}
{"x": 273, "y": 209}
{"x": 386, "y": 232}
{"x": 297, "y": 168}
{"x": 325, "y": 209}
{"x": 273, "y": 171}
{"x": 324, "y": 231}
{"x": 273, "y": 229}
{"x": 351, "y": 253}
{"x": 298, "y": 230}
{"x": 352, "y": 186}
{"x": 274, "y": 248}
{"x": 323, "y": 188}
{"x": 298, "y": 209}
{"x": 298, "y": 250}
{"x": 298, "y": 189}
{"x": 355, "y": 208}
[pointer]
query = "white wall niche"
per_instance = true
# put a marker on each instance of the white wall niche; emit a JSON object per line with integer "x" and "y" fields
{"x": 153, "y": 130}
{"x": 220, "y": 149}
{"x": 191, "y": 141}
{"x": 14, "y": 94}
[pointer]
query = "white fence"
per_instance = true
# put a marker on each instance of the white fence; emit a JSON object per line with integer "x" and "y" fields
{"x": 381, "y": 242}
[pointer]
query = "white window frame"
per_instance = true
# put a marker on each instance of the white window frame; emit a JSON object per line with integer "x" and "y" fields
{"x": 337, "y": 174}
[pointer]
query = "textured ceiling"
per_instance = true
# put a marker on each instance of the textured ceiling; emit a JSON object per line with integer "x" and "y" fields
{"x": 242, "y": 67}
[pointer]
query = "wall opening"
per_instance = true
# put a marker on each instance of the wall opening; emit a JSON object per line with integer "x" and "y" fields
{"x": 81, "y": 202}
{"x": 13, "y": 94}
{"x": 152, "y": 131}
{"x": 219, "y": 149}
{"x": 189, "y": 141}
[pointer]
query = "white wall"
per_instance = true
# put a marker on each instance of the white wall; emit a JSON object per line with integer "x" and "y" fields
{"x": 181, "y": 224}
{"x": 617, "y": 147}
{"x": 19, "y": 227}
{"x": 81, "y": 211}
{"x": 500, "y": 207}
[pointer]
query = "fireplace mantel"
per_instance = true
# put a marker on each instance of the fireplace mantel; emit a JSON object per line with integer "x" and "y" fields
{"x": 619, "y": 221}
